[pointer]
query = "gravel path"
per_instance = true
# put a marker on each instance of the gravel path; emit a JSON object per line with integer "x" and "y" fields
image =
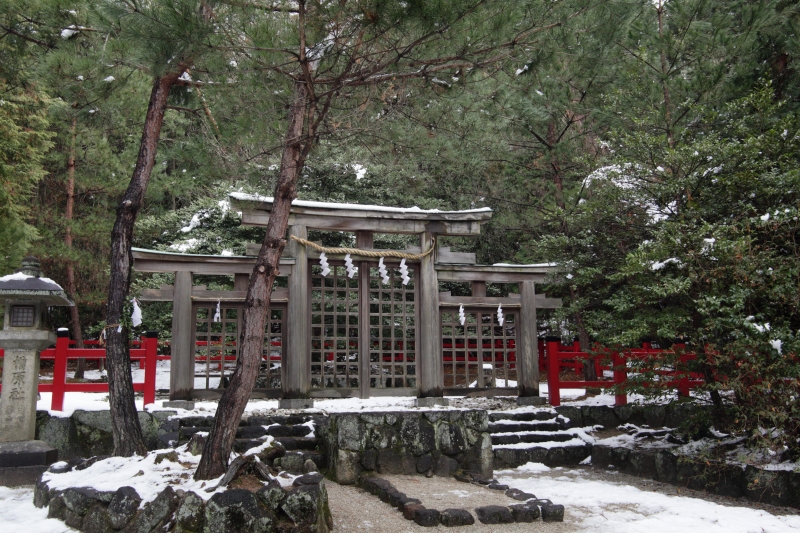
{"x": 356, "y": 510}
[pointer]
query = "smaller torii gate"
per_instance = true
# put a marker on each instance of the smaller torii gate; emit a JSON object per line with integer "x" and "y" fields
{"x": 365, "y": 334}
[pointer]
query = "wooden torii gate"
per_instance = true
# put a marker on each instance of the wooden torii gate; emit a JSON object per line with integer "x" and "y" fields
{"x": 361, "y": 336}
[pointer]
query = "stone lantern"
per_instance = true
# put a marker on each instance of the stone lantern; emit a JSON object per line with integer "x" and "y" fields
{"x": 26, "y": 295}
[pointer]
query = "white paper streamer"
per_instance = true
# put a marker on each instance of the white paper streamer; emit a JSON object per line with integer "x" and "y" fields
{"x": 500, "y": 317}
{"x": 461, "y": 316}
{"x": 136, "y": 316}
{"x": 384, "y": 273}
{"x": 217, "y": 314}
{"x": 323, "y": 262}
{"x": 404, "y": 271}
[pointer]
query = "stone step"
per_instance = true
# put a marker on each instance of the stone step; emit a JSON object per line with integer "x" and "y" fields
{"x": 549, "y": 455}
{"x": 525, "y": 416}
{"x": 516, "y": 438}
{"x": 288, "y": 431}
{"x": 283, "y": 420}
{"x": 295, "y": 460}
{"x": 298, "y": 443}
{"x": 510, "y": 426}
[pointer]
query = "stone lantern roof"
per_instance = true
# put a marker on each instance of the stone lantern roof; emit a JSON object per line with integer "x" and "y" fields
{"x": 27, "y": 283}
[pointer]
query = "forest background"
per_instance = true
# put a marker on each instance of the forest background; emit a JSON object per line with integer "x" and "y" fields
{"x": 649, "y": 148}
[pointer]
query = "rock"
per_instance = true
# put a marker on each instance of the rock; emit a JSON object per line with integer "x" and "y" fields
{"x": 497, "y": 486}
{"x": 553, "y": 513}
{"x": 293, "y": 462}
{"x": 445, "y": 466}
{"x": 301, "y": 504}
{"x": 655, "y": 415}
{"x": 476, "y": 420}
{"x": 462, "y": 478}
{"x": 347, "y": 467}
{"x": 78, "y": 500}
{"x": 155, "y": 514}
{"x": 272, "y": 495}
{"x": 375, "y": 485}
{"x": 57, "y": 507}
{"x": 523, "y": 512}
{"x": 41, "y": 494}
{"x": 166, "y": 456}
{"x": 417, "y": 434}
{"x": 351, "y": 432}
{"x": 196, "y": 444}
{"x": 427, "y": 517}
{"x": 519, "y": 495}
{"x": 494, "y": 514}
{"x": 370, "y": 460}
{"x": 456, "y": 517}
{"x": 73, "y": 519}
{"x": 382, "y": 437}
{"x": 411, "y": 509}
{"x": 310, "y": 466}
{"x": 424, "y": 463}
{"x": 235, "y": 511}
{"x": 123, "y": 507}
{"x": 390, "y": 462}
{"x": 190, "y": 517}
{"x": 308, "y": 479}
{"x": 96, "y": 520}
{"x": 395, "y": 498}
{"x": 272, "y": 452}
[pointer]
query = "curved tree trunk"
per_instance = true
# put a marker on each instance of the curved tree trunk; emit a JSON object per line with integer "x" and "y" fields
{"x": 217, "y": 451}
{"x": 127, "y": 432}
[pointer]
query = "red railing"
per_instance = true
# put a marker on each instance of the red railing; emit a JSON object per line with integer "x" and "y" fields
{"x": 559, "y": 356}
{"x": 146, "y": 354}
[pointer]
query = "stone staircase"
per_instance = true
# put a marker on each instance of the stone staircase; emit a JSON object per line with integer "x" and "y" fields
{"x": 295, "y": 432}
{"x": 539, "y": 436}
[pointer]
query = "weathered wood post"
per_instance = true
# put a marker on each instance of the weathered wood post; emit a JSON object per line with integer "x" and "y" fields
{"x": 181, "y": 361}
{"x": 364, "y": 241}
{"x": 429, "y": 366}
{"x": 296, "y": 362}
{"x": 528, "y": 353}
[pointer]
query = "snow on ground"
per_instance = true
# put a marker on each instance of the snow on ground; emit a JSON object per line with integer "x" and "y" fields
{"x": 602, "y": 506}
{"x": 17, "y": 513}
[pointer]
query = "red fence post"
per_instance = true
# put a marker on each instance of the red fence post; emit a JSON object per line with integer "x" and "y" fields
{"x": 60, "y": 371}
{"x": 620, "y": 377}
{"x": 553, "y": 366}
{"x": 150, "y": 354}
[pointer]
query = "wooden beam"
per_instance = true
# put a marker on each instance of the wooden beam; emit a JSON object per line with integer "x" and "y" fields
{"x": 157, "y": 261}
{"x": 181, "y": 362}
{"x": 512, "y": 300}
{"x": 429, "y": 363}
{"x": 296, "y": 364}
{"x": 364, "y": 240}
{"x": 528, "y": 353}
{"x": 166, "y": 294}
{"x": 378, "y": 225}
{"x": 445, "y": 256}
{"x": 445, "y": 273}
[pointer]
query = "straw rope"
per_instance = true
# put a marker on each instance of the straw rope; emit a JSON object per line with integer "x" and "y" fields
{"x": 367, "y": 253}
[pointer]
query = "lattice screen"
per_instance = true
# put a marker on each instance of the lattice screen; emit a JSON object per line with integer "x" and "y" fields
{"x": 392, "y": 329}
{"x": 334, "y": 328}
{"x": 216, "y": 346}
{"x": 481, "y": 353}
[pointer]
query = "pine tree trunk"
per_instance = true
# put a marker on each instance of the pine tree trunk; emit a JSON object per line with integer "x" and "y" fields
{"x": 217, "y": 451}
{"x": 127, "y": 432}
{"x": 73, "y": 311}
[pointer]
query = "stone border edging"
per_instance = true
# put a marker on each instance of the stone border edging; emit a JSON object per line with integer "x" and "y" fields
{"x": 412, "y": 508}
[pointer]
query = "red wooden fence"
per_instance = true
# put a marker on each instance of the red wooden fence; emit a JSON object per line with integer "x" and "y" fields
{"x": 559, "y": 357}
{"x": 146, "y": 354}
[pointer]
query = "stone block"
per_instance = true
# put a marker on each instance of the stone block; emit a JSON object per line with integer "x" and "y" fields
{"x": 424, "y": 463}
{"x": 27, "y": 453}
{"x": 156, "y": 514}
{"x": 654, "y": 415}
{"x": 523, "y": 512}
{"x": 519, "y": 495}
{"x": 494, "y": 514}
{"x": 417, "y": 434}
{"x": 351, "y": 432}
{"x": 190, "y": 516}
{"x": 445, "y": 466}
{"x": 456, "y": 517}
{"x": 432, "y": 402}
{"x": 552, "y": 513}
{"x": 531, "y": 400}
{"x": 123, "y": 507}
{"x": 427, "y": 517}
{"x": 296, "y": 403}
{"x": 237, "y": 510}
{"x": 179, "y": 404}
{"x": 347, "y": 467}
{"x": 411, "y": 509}
{"x": 96, "y": 520}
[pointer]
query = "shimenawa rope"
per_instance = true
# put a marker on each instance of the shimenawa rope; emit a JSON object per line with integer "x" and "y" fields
{"x": 367, "y": 253}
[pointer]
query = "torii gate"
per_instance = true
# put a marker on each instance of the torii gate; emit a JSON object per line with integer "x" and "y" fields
{"x": 365, "y": 335}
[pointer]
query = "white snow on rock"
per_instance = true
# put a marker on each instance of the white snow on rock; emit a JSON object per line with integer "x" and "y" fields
{"x": 141, "y": 473}
{"x": 354, "y": 207}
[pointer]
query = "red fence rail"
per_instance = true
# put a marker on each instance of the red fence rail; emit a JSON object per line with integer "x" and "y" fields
{"x": 146, "y": 354}
{"x": 559, "y": 357}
